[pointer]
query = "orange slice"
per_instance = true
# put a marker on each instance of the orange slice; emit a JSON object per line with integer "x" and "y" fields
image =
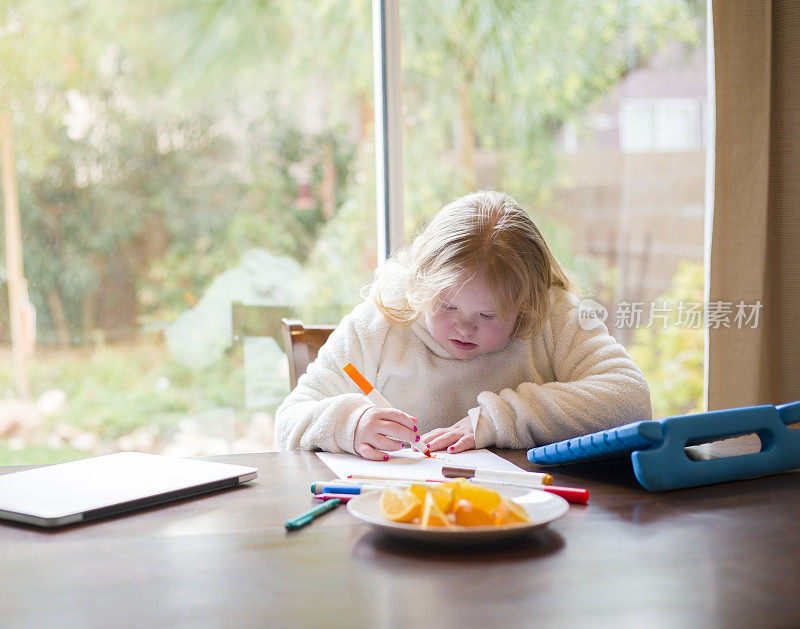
{"x": 509, "y": 512}
{"x": 455, "y": 486}
{"x": 432, "y": 515}
{"x": 442, "y": 495}
{"x": 399, "y": 506}
{"x": 483, "y": 498}
{"x": 467, "y": 514}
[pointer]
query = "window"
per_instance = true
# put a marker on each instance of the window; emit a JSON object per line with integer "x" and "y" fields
{"x": 660, "y": 125}
{"x": 588, "y": 114}
{"x": 174, "y": 158}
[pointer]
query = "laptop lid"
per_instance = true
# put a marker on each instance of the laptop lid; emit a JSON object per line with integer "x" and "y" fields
{"x": 66, "y": 493}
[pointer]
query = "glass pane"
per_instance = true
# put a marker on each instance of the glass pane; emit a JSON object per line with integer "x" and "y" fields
{"x": 636, "y": 127}
{"x": 677, "y": 125}
{"x": 175, "y": 159}
{"x": 555, "y": 103}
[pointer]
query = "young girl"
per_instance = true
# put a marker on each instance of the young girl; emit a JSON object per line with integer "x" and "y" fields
{"x": 474, "y": 334}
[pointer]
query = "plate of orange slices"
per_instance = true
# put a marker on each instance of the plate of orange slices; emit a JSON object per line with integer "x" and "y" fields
{"x": 457, "y": 511}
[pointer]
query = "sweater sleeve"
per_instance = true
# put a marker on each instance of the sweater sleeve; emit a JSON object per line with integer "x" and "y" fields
{"x": 597, "y": 386}
{"x": 322, "y": 411}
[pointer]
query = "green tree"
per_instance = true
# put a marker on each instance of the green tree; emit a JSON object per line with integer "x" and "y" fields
{"x": 671, "y": 353}
{"x": 162, "y": 138}
{"x": 140, "y": 178}
{"x": 503, "y": 76}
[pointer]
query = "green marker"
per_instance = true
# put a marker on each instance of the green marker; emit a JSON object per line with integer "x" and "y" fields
{"x": 306, "y": 518}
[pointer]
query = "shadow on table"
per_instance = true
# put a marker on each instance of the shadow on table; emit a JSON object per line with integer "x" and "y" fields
{"x": 622, "y": 497}
{"x": 135, "y": 516}
{"x": 617, "y": 472}
{"x": 716, "y": 499}
{"x": 377, "y": 547}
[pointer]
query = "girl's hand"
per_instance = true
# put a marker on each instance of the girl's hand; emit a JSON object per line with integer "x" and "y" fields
{"x": 383, "y": 429}
{"x": 458, "y": 438}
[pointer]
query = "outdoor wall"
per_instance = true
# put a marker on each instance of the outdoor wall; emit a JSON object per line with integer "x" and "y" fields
{"x": 641, "y": 212}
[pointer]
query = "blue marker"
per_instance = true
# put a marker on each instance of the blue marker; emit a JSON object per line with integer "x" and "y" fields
{"x": 333, "y": 487}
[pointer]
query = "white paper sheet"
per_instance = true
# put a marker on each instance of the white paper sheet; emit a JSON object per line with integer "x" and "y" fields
{"x": 408, "y": 464}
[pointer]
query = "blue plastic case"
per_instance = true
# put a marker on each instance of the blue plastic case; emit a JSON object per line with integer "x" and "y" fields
{"x": 658, "y": 454}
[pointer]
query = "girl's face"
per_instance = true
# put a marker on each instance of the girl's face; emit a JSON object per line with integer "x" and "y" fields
{"x": 466, "y": 323}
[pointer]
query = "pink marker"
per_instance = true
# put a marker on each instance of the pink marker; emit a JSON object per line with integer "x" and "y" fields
{"x": 360, "y": 477}
{"x": 342, "y": 497}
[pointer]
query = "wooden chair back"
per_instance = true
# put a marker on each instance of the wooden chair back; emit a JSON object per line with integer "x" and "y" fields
{"x": 302, "y": 343}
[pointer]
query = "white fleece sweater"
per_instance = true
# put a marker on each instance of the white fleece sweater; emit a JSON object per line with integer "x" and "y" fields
{"x": 564, "y": 382}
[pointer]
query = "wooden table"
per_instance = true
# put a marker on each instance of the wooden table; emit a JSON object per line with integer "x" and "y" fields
{"x": 721, "y": 556}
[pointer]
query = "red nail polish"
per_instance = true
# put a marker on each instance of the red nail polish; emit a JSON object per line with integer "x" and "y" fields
{"x": 415, "y": 429}
{"x": 385, "y": 457}
{"x": 450, "y": 448}
{"x": 417, "y": 439}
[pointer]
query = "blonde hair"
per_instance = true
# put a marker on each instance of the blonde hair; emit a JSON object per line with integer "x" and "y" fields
{"x": 481, "y": 233}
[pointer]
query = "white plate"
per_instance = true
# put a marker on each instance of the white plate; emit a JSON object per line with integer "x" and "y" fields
{"x": 542, "y": 508}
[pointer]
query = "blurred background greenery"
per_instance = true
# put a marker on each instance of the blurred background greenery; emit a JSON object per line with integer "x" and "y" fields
{"x": 158, "y": 142}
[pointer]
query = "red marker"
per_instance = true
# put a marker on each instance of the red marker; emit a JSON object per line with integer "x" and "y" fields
{"x": 574, "y": 495}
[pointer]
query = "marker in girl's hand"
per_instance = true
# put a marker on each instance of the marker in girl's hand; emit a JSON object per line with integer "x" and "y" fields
{"x": 376, "y": 398}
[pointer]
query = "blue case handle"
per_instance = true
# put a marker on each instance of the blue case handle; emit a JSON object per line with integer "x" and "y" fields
{"x": 666, "y": 466}
{"x": 790, "y": 413}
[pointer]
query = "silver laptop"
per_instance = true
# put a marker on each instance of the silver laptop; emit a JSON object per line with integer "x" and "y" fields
{"x": 66, "y": 493}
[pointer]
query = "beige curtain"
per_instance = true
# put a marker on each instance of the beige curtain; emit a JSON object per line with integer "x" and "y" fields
{"x": 755, "y": 238}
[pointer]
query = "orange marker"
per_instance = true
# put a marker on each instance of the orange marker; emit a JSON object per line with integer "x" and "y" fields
{"x": 376, "y": 398}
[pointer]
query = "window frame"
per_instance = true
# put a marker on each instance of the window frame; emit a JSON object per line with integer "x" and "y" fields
{"x": 388, "y": 126}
